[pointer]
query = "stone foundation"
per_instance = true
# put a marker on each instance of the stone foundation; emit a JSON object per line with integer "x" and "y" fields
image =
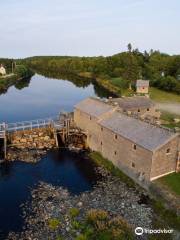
{"x": 42, "y": 138}
{"x": 30, "y": 145}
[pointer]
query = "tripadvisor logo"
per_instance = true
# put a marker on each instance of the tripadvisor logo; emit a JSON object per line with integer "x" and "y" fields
{"x": 139, "y": 231}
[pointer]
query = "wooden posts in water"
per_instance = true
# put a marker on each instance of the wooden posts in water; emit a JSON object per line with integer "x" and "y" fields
{"x": 3, "y": 148}
{"x": 62, "y": 128}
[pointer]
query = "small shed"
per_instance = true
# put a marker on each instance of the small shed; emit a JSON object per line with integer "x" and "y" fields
{"x": 142, "y": 86}
{"x": 2, "y": 70}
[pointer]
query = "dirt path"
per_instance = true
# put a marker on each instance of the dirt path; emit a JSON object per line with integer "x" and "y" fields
{"x": 173, "y": 108}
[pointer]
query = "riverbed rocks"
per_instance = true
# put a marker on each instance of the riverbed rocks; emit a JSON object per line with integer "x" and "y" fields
{"x": 25, "y": 155}
{"x": 55, "y": 205}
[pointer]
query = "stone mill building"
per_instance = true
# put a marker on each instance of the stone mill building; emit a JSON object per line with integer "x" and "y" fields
{"x": 141, "y": 150}
{"x": 139, "y": 106}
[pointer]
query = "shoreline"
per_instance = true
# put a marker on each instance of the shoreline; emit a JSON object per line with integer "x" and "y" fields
{"x": 12, "y": 80}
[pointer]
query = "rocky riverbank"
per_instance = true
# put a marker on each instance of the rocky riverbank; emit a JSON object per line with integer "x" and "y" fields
{"x": 25, "y": 155}
{"x": 54, "y": 213}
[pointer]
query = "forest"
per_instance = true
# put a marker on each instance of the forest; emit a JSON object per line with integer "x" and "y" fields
{"x": 121, "y": 69}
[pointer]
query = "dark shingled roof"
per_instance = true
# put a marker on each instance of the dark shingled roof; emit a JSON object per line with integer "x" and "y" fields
{"x": 141, "y": 133}
{"x": 142, "y": 83}
{"x": 133, "y": 102}
{"x": 94, "y": 107}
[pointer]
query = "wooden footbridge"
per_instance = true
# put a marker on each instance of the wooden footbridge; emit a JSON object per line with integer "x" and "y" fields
{"x": 62, "y": 124}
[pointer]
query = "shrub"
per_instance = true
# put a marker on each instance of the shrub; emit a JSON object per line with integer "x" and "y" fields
{"x": 76, "y": 225}
{"x": 74, "y": 212}
{"x": 53, "y": 223}
{"x": 94, "y": 215}
{"x": 59, "y": 238}
{"x": 81, "y": 237}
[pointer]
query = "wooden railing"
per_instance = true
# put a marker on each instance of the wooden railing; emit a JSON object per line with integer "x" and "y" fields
{"x": 29, "y": 125}
{"x": 57, "y": 122}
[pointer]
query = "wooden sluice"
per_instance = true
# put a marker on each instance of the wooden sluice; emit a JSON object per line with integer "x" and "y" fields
{"x": 70, "y": 135}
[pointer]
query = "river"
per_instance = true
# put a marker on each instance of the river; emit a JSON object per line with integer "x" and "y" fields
{"x": 41, "y": 97}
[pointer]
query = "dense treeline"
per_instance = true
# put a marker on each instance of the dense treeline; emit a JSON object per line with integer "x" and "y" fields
{"x": 7, "y": 63}
{"x": 15, "y": 73}
{"x": 161, "y": 69}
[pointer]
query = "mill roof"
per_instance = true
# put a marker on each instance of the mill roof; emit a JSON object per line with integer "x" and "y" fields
{"x": 142, "y": 83}
{"x": 141, "y": 133}
{"x": 94, "y": 107}
{"x": 133, "y": 102}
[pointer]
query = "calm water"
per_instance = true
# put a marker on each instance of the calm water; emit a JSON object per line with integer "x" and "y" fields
{"x": 43, "y": 97}
{"x": 38, "y": 98}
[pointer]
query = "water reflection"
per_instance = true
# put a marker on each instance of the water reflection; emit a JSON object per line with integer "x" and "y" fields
{"x": 23, "y": 83}
{"x": 43, "y": 97}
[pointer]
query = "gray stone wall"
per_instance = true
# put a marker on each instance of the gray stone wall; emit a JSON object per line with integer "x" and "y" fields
{"x": 138, "y": 163}
{"x": 165, "y": 159}
{"x": 131, "y": 158}
{"x": 88, "y": 124}
{"x": 33, "y": 139}
{"x": 134, "y": 162}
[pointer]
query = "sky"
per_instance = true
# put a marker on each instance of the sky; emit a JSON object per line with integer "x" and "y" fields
{"x": 87, "y": 27}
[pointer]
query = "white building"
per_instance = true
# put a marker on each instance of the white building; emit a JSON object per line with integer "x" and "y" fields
{"x": 2, "y": 70}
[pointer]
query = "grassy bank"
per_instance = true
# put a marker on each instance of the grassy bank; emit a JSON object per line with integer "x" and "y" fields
{"x": 117, "y": 86}
{"x": 105, "y": 83}
{"x": 163, "y": 96}
{"x": 168, "y": 119}
{"x": 164, "y": 218}
{"x": 171, "y": 182}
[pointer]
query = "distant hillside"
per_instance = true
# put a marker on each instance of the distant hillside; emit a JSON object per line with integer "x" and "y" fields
{"x": 161, "y": 69}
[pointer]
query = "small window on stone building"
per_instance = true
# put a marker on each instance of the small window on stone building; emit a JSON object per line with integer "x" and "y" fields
{"x": 101, "y": 143}
{"x": 168, "y": 151}
{"x": 148, "y": 109}
{"x": 115, "y": 136}
{"x": 101, "y": 128}
{"x": 133, "y": 165}
{"x": 134, "y": 146}
{"x": 90, "y": 118}
{"x": 138, "y": 110}
{"x": 115, "y": 152}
